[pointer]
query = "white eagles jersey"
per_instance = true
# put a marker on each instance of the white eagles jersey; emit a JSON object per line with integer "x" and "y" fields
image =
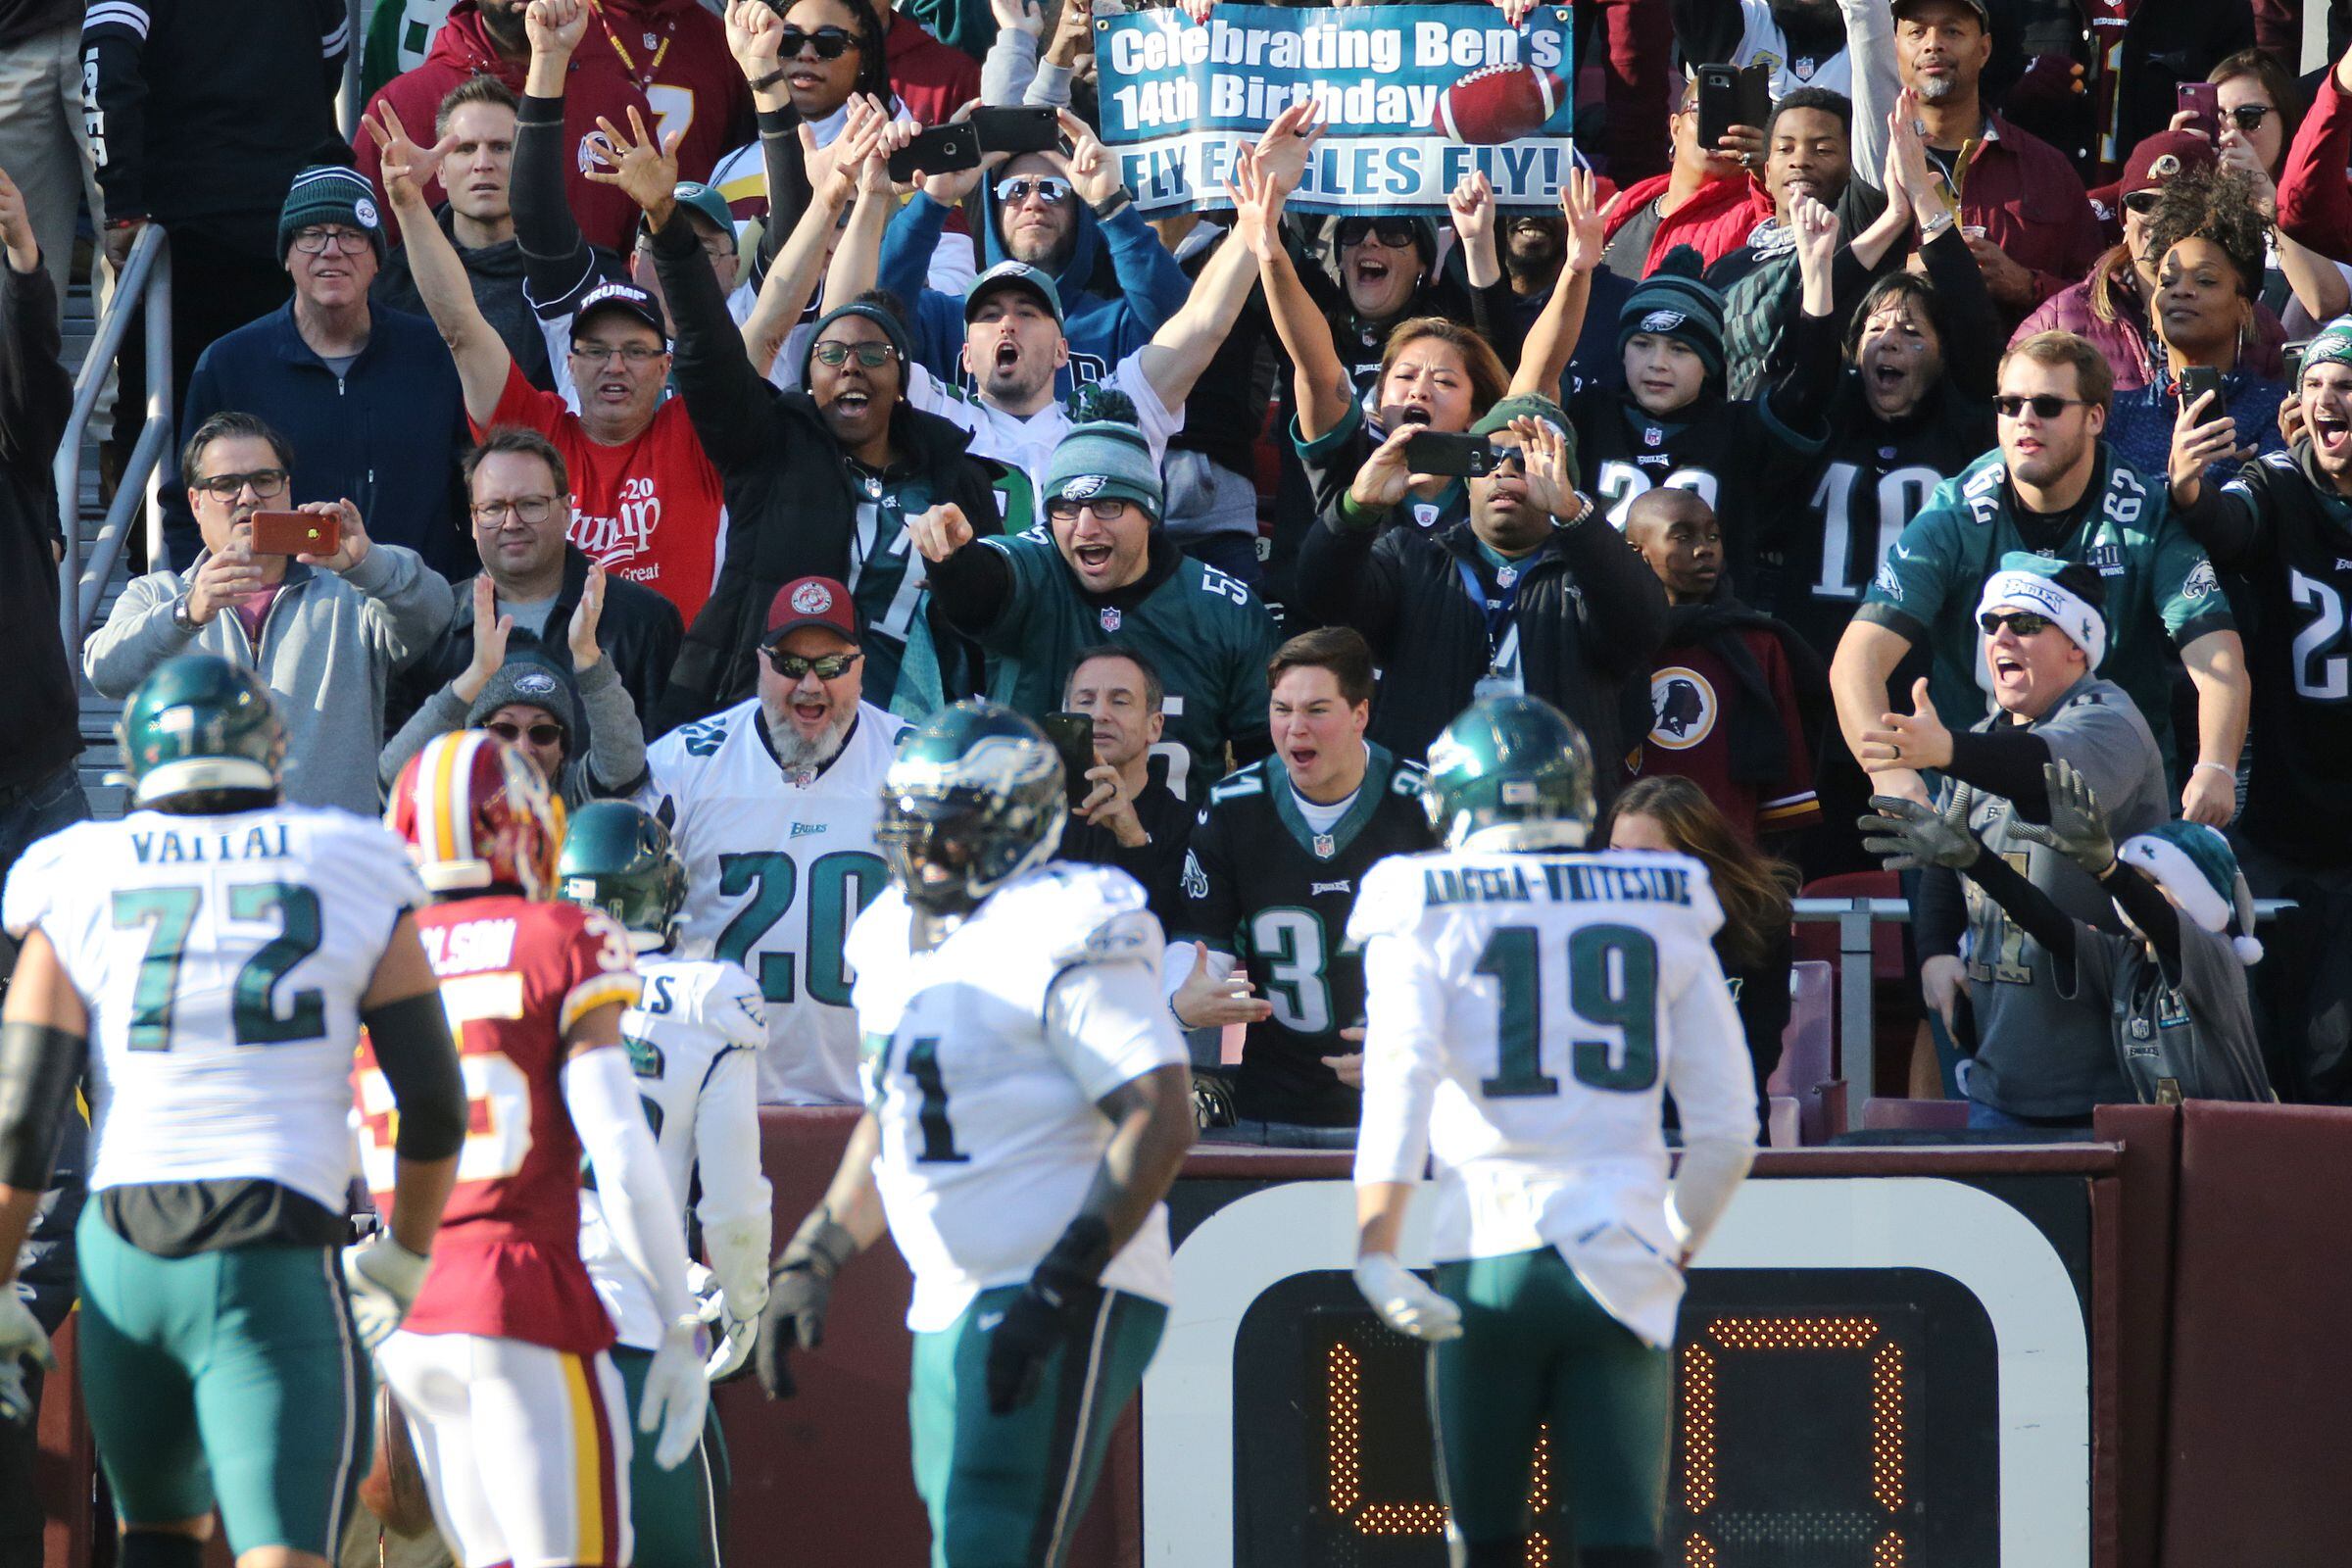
{"x": 985, "y": 1058}
{"x": 1527, "y": 1013}
{"x": 777, "y": 868}
{"x": 1028, "y": 444}
{"x": 693, "y": 1040}
{"x": 223, "y": 959}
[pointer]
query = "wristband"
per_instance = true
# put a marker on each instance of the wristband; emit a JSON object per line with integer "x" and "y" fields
{"x": 762, "y": 84}
{"x": 2223, "y": 769}
{"x": 1360, "y": 517}
{"x": 1110, "y": 205}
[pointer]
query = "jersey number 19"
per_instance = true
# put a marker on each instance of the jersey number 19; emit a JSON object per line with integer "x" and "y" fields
{"x": 1612, "y": 982}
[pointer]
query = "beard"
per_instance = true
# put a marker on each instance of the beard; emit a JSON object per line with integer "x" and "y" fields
{"x": 1544, "y": 262}
{"x": 799, "y": 754}
{"x": 502, "y": 22}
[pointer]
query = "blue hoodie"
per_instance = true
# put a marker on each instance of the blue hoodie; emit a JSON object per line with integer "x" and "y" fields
{"x": 1111, "y": 304}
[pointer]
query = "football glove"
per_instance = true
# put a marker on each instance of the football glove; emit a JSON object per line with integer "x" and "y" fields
{"x": 1057, "y": 1298}
{"x": 800, "y": 1290}
{"x": 384, "y": 1278}
{"x": 20, "y": 1340}
{"x": 1404, "y": 1301}
{"x": 676, "y": 1392}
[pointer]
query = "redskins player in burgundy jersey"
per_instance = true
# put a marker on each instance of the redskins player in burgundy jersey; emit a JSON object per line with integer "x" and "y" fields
{"x": 501, "y": 1364}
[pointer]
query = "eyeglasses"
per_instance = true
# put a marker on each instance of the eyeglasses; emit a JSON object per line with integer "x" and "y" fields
{"x": 1108, "y": 510}
{"x": 540, "y": 734}
{"x": 2045, "y": 406}
{"x": 1051, "y": 189}
{"x": 831, "y": 42}
{"x": 2141, "y": 203}
{"x": 315, "y": 241}
{"x": 792, "y": 666}
{"x": 602, "y": 353}
{"x": 266, "y": 482}
{"x": 1395, "y": 232}
{"x": 2249, "y": 117}
{"x": 873, "y": 356}
{"x": 528, "y": 509}
{"x": 2024, "y": 623}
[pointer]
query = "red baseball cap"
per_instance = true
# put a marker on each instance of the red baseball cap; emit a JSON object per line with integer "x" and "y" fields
{"x": 2154, "y": 161}
{"x": 811, "y": 602}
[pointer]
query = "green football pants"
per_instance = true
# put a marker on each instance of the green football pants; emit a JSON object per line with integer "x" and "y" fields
{"x": 680, "y": 1516}
{"x": 1008, "y": 1490}
{"x": 1537, "y": 1349}
{"x": 230, "y": 1377}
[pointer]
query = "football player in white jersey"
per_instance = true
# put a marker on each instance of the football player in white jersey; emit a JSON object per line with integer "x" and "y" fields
{"x": 693, "y": 1040}
{"x": 1530, "y": 1005}
{"x": 214, "y": 955}
{"x": 772, "y": 803}
{"x": 1029, "y": 1103}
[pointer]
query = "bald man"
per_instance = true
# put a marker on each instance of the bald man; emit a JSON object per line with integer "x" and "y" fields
{"x": 1736, "y": 697}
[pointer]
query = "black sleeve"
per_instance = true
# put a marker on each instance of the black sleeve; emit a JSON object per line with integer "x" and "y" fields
{"x": 1764, "y": 1005}
{"x": 1972, "y": 359}
{"x": 2234, "y": 529}
{"x": 1800, "y": 399}
{"x": 2030, "y": 907}
{"x": 35, "y": 393}
{"x": 1623, "y": 605}
{"x": 1706, "y": 30}
{"x": 421, "y": 1062}
{"x": 789, "y": 192}
{"x": 727, "y": 401}
{"x": 972, "y": 586}
{"x": 1344, "y": 581}
{"x": 558, "y": 266}
{"x": 1495, "y": 313}
{"x": 114, "y": 74}
{"x": 1938, "y": 914}
{"x": 2150, "y": 910}
{"x": 2008, "y": 762}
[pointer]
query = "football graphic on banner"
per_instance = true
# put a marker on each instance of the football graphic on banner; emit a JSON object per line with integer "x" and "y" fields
{"x": 1496, "y": 104}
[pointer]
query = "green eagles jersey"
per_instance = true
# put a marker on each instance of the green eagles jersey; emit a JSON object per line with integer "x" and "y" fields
{"x": 2159, "y": 584}
{"x": 1205, "y": 632}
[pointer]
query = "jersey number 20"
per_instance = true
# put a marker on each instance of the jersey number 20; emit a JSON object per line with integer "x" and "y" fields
{"x": 840, "y": 887}
{"x": 1612, "y": 981}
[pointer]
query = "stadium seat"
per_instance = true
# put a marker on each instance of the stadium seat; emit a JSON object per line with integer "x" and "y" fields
{"x": 1797, "y": 1106}
{"x": 1890, "y": 1115}
{"x": 1894, "y": 1002}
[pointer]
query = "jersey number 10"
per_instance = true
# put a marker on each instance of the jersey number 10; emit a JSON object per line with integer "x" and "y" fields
{"x": 1612, "y": 981}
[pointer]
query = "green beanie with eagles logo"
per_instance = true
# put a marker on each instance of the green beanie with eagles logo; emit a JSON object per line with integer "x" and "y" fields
{"x": 1104, "y": 457}
{"x": 1675, "y": 301}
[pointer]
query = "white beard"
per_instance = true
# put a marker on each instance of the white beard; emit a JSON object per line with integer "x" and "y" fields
{"x": 796, "y": 753}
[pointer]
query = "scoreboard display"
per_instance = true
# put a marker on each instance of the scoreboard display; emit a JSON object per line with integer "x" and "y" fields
{"x": 1886, "y": 1372}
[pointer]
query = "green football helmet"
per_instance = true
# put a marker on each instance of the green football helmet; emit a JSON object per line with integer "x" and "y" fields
{"x": 1511, "y": 761}
{"x": 620, "y": 859}
{"x": 196, "y": 727}
{"x": 974, "y": 798}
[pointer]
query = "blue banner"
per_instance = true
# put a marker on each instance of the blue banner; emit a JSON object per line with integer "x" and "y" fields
{"x": 1415, "y": 97}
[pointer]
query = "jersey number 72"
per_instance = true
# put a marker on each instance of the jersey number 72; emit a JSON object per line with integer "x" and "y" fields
{"x": 169, "y": 914}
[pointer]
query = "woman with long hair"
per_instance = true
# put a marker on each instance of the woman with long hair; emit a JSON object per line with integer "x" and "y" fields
{"x": 1755, "y": 944}
{"x": 2261, "y": 107}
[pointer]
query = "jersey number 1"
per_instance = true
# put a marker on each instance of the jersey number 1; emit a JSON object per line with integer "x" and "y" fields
{"x": 169, "y": 914}
{"x": 1612, "y": 981}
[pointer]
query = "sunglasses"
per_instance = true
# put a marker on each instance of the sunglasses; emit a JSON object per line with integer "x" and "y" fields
{"x": 540, "y": 734}
{"x": 1051, "y": 189}
{"x": 2024, "y": 623}
{"x": 1393, "y": 232}
{"x": 2047, "y": 406}
{"x": 2141, "y": 203}
{"x": 792, "y": 666}
{"x": 266, "y": 482}
{"x": 873, "y": 356}
{"x": 831, "y": 43}
{"x": 2249, "y": 117}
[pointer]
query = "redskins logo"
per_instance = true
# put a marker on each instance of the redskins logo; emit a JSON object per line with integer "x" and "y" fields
{"x": 1683, "y": 708}
{"x": 811, "y": 599}
{"x": 2165, "y": 166}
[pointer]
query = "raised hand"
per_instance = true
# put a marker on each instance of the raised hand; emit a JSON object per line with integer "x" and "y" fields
{"x": 2078, "y": 827}
{"x": 1910, "y": 837}
{"x": 1588, "y": 225}
{"x": 1283, "y": 150}
{"x": 1256, "y": 204}
{"x": 1545, "y": 457}
{"x": 754, "y": 37}
{"x": 645, "y": 171}
{"x": 16, "y": 227}
{"x": 353, "y": 545}
{"x": 949, "y": 189}
{"x": 581, "y": 633}
{"x": 2203, "y": 434}
{"x": 1094, "y": 172}
{"x": 839, "y": 161}
{"x": 1908, "y": 744}
{"x": 1073, "y": 34}
{"x": 490, "y": 633}
{"x": 555, "y": 28}
{"x": 1472, "y": 207}
{"x": 405, "y": 168}
{"x": 1816, "y": 229}
{"x": 1907, "y": 158}
{"x": 1018, "y": 16}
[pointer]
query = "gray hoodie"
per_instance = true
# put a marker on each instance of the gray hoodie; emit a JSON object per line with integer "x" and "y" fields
{"x": 328, "y": 647}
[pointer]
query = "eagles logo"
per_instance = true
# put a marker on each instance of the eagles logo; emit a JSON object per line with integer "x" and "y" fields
{"x": 2200, "y": 581}
{"x": 1196, "y": 880}
{"x": 1662, "y": 321}
{"x": 1081, "y": 487}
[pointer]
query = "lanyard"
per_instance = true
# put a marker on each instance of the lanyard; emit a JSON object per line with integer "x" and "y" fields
{"x": 1497, "y": 612}
{"x": 628, "y": 62}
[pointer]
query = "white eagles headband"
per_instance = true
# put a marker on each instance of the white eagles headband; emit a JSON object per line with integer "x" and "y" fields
{"x": 2070, "y": 611}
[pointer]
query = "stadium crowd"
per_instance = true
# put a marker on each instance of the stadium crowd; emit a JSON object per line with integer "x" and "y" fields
{"x": 1950, "y": 475}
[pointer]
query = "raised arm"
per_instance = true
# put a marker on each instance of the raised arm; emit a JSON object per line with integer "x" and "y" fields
{"x": 799, "y": 265}
{"x": 1471, "y": 206}
{"x": 2314, "y": 200}
{"x": 558, "y": 265}
{"x": 1551, "y": 340}
{"x": 1870, "y": 51}
{"x": 1182, "y": 349}
{"x": 484, "y": 363}
{"x": 1150, "y": 283}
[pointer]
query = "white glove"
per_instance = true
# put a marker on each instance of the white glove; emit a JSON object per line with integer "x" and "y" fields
{"x": 736, "y": 1335}
{"x": 676, "y": 1392}
{"x": 1404, "y": 1301}
{"x": 20, "y": 1338}
{"x": 734, "y": 1347}
{"x": 384, "y": 1278}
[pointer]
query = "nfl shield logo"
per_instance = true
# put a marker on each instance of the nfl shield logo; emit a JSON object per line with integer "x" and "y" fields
{"x": 1325, "y": 849}
{"x": 1803, "y": 65}
{"x": 1653, "y": 436}
{"x": 1111, "y": 619}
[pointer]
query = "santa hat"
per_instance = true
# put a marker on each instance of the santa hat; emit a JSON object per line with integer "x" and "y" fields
{"x": 2197, "y": 867}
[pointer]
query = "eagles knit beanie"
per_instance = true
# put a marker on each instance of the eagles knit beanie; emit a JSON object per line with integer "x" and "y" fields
{"x": 1676, "y": 302}
{"x": 892, "y": 328}
{"x": 529, "y": 676}
{"x": 1104, "y": 456}
{"x": 329, "y": 193}
{"x": 2330, "y": 344}
{"x": 2197, "y": 867}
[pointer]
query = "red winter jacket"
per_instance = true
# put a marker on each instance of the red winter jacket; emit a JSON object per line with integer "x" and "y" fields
{"x": 1715, "y": 222}
{"x": 594, "y": 86}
